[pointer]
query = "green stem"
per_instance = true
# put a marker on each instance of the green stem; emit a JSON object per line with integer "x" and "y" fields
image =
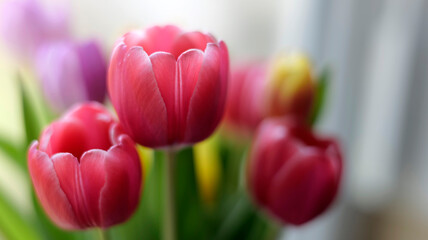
{"x": 169, "y": 188}
{"x": 103, "y": 234}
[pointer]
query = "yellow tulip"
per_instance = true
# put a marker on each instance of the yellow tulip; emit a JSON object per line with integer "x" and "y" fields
{"x": 290, "y": 86}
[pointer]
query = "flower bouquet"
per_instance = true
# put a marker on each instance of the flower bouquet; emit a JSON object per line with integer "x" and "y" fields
{"x": 187, "y": 145}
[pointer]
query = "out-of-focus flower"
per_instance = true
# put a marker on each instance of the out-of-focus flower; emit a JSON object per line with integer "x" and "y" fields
{"x": 292, "y": 172}
{"x": 208, "y": 168}
{"x": 168, "y": 86}
{"x": 245, "y": 99}
{"x": 85, "y": 170}
{"x": 290, "y": 87}
{"x": 72, "y": 73}
{"x": 25, "y": 25}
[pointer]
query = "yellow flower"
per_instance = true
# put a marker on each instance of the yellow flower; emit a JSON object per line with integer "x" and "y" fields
{"x": 291, "y": 86}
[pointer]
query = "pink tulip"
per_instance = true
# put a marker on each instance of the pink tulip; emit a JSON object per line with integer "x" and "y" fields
{"x": 86, "y": 172}
{"x": 245, "y": 99}
{"x": 293, "y": 173}
{"x": 168, "y": 86}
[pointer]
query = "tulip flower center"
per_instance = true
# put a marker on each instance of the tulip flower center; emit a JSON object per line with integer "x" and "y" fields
{"x": 168, "y": 39}
{"x": 76, "y": 136}
{"x": 306, "y": 137}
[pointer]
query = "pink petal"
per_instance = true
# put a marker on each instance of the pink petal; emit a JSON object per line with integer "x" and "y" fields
{"x": 82, "y": 128}
{"x": 275, "y": 150}
{"x": 96, "y": 121}
{"x": 191, "y": 40}
{"x": 120, "y": 195}
{"x": 188, "y": 69}
{"x": 207, "y": 102}
{"x": 64, "y": 136}
{"x": 138, "y": 102}
{"x": 153, "y": 39}
{"x": 164, "y": 69}
{"x": 160, "y": 38}
{"x": 48, "y": 190}
{"x": 115, "y": 71}
{"x": 93, "y": 179}
{"x": 303, "y": 188}
{"x": 69, "y": 176}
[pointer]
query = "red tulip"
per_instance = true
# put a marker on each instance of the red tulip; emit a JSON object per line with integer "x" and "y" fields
{"x": 86, "y": 172}
{"x": 245, "y": 106}
{"x": 168, "y": 86}
{"x": 292, "y": 172}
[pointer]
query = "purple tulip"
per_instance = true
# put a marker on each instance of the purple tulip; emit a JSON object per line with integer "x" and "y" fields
{"x": 72, "y": 73}
{"x": 25, "y": 25}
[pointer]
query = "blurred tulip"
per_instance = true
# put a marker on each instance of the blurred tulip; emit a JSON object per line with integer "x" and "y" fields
{"x": 292, "y": 172}
{"x": 244, "y": 108}
{"x": 168, "y": 86}
{"x": 25, "y": 25}
{"x": 290, "y": 87}
{"x": 86, "y": 172}
{"x": 72, "y": 73}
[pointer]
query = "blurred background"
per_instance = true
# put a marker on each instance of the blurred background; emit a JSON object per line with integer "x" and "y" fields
{"x": 377, "y": 102}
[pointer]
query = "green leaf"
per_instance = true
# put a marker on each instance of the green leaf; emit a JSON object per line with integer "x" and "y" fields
{"x": 12, "y": 225}
{"x": 190, "y": 215}
{"x": 12, "y": 151}
{"x": 238, "y": 220}
{"x": 320, "y": 95}
{"x": 32, "y": 124}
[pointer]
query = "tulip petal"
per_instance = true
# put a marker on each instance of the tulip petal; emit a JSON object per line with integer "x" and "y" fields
{"x": 139, "y": 103}
{"x": 160, "y": 38}
{"x": 120, "y": 194}
{"x": 276, "y": 150}
{"x": 93, "y": 180}
{"x": 93, "y": 66}
{"x": 191, "y": 40}
{"x": 69, "y": 176}
{"x": 207, "y": 102}
{"x": 96, "y": 122}
{"x": 115, "y": 71}
{"x": 303, "y": 188}
{"x": 188, "y": 68}
{"x": 164, "y": 68}
{"x": 49, "y": 192}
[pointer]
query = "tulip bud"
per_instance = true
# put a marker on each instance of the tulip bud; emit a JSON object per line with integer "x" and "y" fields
{"x": 86, "y": 172}
{"x": 244, "y": 108}
{"x": 293, "y": 173}
{"x": 25, "y": 25}
{"x": 168, "y": 86}
{"x": 72, "y": 73}
{"x": 291, "y": 87}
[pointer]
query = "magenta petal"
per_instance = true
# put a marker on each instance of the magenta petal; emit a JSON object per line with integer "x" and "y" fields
{"x": 139, "y": 103}
{"x": 160, "y": 38}
{"x": 303, "y": 188}
{"x": 120, "y": 195}
{"x": 206, "y": 105}
{"x": 49, "y": 192}
{"x": 164, "y": 69}
{"x": 115, "y": 71}
{"x": 69, "y": 176}
{"x": 191, "y": 40}
{"x": 188, "y": 69}
{"x": 275, "y": 150}
{"x": 93, "y": 180}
